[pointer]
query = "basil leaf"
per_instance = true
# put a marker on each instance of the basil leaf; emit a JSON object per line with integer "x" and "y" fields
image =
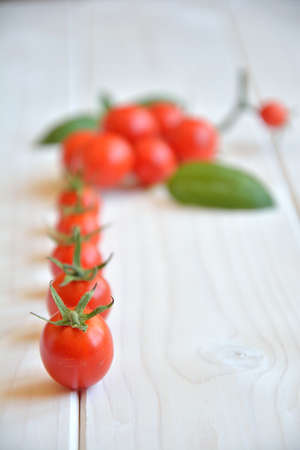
{"x": 59, "y": 132}
{"x": 152, "y": 99}
{"x": 218, "y": 186}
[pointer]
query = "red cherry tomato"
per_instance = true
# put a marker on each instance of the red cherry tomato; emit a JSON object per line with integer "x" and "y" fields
{"x": 71, "y": 149}
{"x": 131, "y": 121}
{"x": 194, "y": 139}
{"x": 106, "y": 160}
{"x": 88, "y": 198}
{"x": 74, "y": 358}
{"x": 72, "y": 292}
{"x": 167, "y": 115}
{"x": 86, "y": 221}
{"x": 89, "y": 256}
{"x": 274, "y": 114}
{"x": 155, "y": 161}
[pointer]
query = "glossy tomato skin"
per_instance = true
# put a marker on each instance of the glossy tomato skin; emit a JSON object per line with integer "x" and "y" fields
{"x": 89, "y": 256}
{"x": 72, "y": 293}
{"x": 274, "y": 114}
{"x": 87, "y": 223}
{"x": 155, "y": 160}
{"x": 89, "y": 198}
{"x": 167, "y": 115}
{"x": 72, "y": 147}
{"x": 106, "y": 160}
{"x": 74, "y": 358}
{"x": 131, "y": 121}
{"x": 194, "y": 140}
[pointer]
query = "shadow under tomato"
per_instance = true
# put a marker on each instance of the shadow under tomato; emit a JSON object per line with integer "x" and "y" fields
{"x": 240, "y": 148}
{"x": 34, "y": 389}
{"x": 27, "y": 336}
{"x": 45, "y": 188}
{"x": 41, "y": 230}
{"x": 38, "y": 258}
{"x": 34, "y": 294}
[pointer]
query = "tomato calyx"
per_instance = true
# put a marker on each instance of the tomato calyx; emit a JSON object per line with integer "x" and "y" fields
{"x": 75, "y": 318}
{"x": 69, "y": 239}
{"x": 75, "y": 271}
{"x": 77, "y": 208}
{"x": 75, "y": 183}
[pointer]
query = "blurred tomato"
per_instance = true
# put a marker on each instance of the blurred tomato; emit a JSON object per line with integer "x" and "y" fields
{"x": 194, "y": 139}
{"x": 71, "y": 149}
{"x": 155, "y": 161}
{"x": 131, "y": 121}
{"x": 167, "y": 115}
{"x": 106, "y": 160}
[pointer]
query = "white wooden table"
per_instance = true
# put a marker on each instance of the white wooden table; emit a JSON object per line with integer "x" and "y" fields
{"x": 206, "y": 322}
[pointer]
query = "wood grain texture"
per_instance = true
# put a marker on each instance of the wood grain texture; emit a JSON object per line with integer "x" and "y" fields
{"x": 206, "y": 317}
{"x": 270, "y": 42}
{"x": 206, "y": 328}
{"x": 35, "y": 412}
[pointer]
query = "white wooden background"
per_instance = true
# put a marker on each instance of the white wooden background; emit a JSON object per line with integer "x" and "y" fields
{"x": 206, "y": 321}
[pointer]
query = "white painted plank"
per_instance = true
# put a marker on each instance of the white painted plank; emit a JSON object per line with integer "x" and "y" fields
{"x": 205, "y": 323}
{"x": 206, "y": 318}
{"x": 270, "y": 42}
{"x": 35, "y": 412}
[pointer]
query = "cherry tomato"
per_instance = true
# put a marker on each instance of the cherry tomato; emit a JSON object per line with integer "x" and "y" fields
{"x": 89, "y": 256}
{"x": 72, "y": 292}
{"x": 88, "y": 198}
{"x": 131, "y": 121}
{"x": 167, "y": 115}
{"x": 274, "y": 114}
{"x": 194, "y": 139}
{"x": 155, "y": 161}
{"x": 106, "y": 160}
{"x": 74, "y": 358}
{"x": 71, "y": 149}
{"x": 86, "y": 221}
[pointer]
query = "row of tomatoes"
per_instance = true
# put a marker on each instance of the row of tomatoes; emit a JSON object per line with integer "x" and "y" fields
{"x": 149, "y": 142}
{"x": 76, "y": 344}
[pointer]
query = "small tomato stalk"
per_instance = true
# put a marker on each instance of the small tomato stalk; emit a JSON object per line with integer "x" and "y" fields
{"x": 241, "y": 103}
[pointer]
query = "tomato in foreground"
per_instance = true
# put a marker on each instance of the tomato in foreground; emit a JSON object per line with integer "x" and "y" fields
{"x": 107, "y": 160}
{"x": 194, "y": 140}
{"x": 274, "y": 114}
{"x": 76, "y": 344}
{"x": 72, "y": 147}
{"x": 155, "y": 160}
{"x": 167, "y": 115}
{"x": 130, "y": 121}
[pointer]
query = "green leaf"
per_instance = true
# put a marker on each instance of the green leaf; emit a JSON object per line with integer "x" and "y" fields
{"x": 106, "y": 102}
{"x": 85, "y": 300}
{"x": 152, "y": 99}
{"x": 98, "y": 310}
{"x": 58, "y": 301}
{"x": 218, "y": 186}
{"x": 60, "y": 131}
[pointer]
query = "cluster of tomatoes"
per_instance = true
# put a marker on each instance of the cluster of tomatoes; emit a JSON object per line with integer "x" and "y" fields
{"x": 145, "y": 141}
{"x": 148, "y": 142}
{"x": 76, "y": 344}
